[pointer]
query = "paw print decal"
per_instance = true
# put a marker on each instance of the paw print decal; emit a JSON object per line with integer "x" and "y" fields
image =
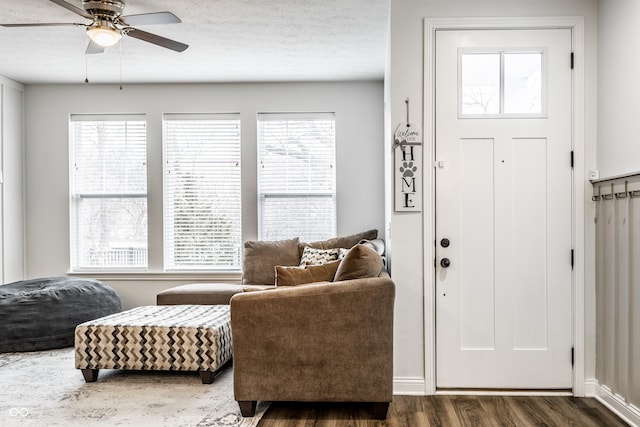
{"x": 408, "y": 169}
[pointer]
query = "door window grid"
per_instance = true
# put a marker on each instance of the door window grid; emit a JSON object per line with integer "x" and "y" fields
{"x": 501, "y": 83}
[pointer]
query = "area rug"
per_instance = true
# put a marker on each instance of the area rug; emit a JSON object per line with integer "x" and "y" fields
{"x": 44, "y": 389}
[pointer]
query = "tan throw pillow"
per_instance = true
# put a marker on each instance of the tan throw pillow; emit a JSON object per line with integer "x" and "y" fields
{"x": 376, "y": 244}
{"x": 313, "y": 256}
{"x": 342, "y": 242}
{"x": 260, "y": 258}
{"x": 292, "y": 276}
{"x": 361, "y": 262}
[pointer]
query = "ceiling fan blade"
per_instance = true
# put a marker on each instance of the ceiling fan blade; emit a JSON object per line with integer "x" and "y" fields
{"x": 72, "y": 8}
{"x": 93, "y": 47}
{"x": 54, "y": 24}
{"x": 150, "y": 19}
{"x": 156, "y": 39}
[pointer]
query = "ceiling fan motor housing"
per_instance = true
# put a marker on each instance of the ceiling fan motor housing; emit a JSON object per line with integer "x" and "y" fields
{"x": 104, "y": 8}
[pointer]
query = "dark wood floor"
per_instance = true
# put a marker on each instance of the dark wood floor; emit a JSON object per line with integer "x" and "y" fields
{"x": 448, "y": 411}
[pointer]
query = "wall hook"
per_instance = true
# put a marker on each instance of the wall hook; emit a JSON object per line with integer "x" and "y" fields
{"x": 623, "y": 194}
{"x": 608, "y": 196}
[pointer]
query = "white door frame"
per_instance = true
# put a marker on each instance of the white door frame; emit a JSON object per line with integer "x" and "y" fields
{"x": 576, "y": 24}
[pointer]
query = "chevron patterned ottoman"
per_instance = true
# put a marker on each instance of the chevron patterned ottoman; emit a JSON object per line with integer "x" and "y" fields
{"x": 170, "y": 338}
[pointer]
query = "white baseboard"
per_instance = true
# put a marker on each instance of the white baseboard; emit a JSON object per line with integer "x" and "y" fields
{"x": 409, "y": 386}
{"x": 618, "y": 404}
{"x": 590, "y": 386}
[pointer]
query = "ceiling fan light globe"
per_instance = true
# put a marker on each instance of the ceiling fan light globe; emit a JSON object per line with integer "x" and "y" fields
{"x": 105, "y": 37}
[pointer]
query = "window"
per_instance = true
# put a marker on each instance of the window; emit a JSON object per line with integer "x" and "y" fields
{"x": 202, "y": 192}
{"x": 108, "y": 192}
{"x": 523, "y": 83}
{"x": 296, "y": 176}
{"x": 480, "y": 83}
{"x": 501, "y": 84}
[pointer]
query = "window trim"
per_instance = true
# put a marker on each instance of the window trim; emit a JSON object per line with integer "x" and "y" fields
{"x": 74, "y": 197}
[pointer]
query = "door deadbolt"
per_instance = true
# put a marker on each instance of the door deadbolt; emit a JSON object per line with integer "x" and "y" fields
{"x": 445, "y": 243}
{"x": 445, "y": 262}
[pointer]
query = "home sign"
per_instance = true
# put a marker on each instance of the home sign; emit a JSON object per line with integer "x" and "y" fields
{"x": 408, "y": 168}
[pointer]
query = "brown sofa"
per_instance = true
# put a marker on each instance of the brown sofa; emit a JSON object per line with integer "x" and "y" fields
{"x": 321, "y": 342}
{"x": 319, "y": 333}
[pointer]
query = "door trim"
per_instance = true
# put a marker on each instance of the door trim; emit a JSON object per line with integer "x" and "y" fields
{"x": 576, "y": 24}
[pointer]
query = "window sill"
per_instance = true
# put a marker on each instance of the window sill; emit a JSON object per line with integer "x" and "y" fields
{"x": 199, "y": 276}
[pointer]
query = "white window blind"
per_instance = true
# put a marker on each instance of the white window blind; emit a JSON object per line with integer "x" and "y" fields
{"x": 202, "y": 192}
{"x": 296, "y": 176}
{"x": 108, "y": 192}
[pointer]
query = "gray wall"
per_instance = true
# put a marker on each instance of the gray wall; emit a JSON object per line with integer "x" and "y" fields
{"x": 359, "y": 139}
{"x": 12, "y": 188}
{"x": 618, "y": 86}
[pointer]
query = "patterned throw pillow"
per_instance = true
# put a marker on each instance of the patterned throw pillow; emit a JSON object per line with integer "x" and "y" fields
{"x": 312, "y": 256}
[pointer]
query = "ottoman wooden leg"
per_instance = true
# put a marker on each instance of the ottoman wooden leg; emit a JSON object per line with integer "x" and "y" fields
{"x": 90, "y": 375}
{"x": 206, "y": 377}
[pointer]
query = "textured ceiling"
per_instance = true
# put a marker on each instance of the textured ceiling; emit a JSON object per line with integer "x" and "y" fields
{"x": 229, "y": 41}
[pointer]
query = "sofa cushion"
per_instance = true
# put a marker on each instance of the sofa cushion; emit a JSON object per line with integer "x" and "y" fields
{"x": 292, "y": 276}
{"x": 257, "y": 288}
{"x": 361, "y": 262}
{"x": 313, "y": 256}
{"x": 341, "y": 242}
{"x": 198, "y": 293}
{"x": 261, "y": 257}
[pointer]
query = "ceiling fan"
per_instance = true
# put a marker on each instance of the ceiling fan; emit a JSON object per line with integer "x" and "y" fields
{"x": 108, "y": 25}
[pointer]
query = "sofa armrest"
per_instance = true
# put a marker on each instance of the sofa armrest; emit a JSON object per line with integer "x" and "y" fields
{"x": 317, "y": 342}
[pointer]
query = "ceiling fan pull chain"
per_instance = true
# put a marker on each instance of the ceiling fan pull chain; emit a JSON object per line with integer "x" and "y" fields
{"x": 86, "y": 69}
{"x": 121, "y": 43}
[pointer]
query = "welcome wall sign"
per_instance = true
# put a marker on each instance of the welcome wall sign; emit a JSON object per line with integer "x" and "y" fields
{"x": 408, "y": 167}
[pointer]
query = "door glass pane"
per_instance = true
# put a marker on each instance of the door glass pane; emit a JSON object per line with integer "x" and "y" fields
{"x": 480, "y": 83}
{"x": 523, "y": 83}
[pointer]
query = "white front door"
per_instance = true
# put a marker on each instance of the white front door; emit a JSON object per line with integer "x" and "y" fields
{"x": 503, "y": 209}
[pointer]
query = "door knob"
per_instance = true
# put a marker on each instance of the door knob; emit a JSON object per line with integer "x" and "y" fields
{"x": 445, "y": 243}
{"x": 445, "y": 262}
